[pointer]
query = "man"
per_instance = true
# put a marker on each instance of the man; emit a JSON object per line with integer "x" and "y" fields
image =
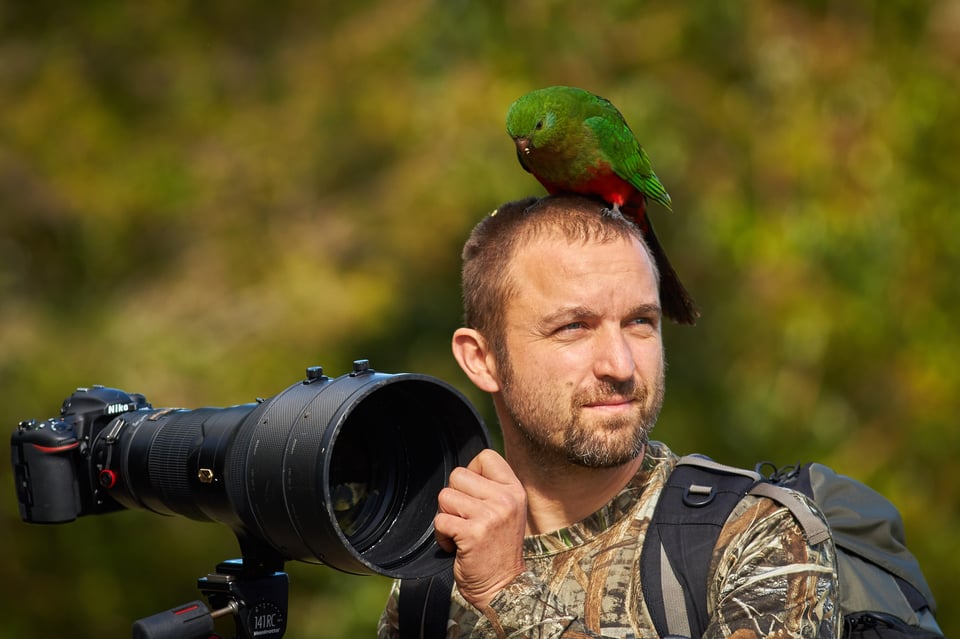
{"x": 562, "y": 319}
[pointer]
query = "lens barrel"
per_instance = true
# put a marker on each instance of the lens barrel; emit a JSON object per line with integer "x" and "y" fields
{"x": 344, "y": 471}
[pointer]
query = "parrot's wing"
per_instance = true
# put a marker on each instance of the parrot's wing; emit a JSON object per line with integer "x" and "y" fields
{"x": 627, "y": 157}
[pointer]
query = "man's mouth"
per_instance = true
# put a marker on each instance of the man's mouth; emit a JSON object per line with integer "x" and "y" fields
{"x": 611, "y": 403}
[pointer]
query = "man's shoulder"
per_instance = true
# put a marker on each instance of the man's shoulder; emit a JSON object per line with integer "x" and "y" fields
{"x": 733, "y": 545}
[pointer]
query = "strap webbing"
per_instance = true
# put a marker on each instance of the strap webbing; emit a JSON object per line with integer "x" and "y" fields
{"x": 674, "y": 602}
{"x": 814, "y": 528}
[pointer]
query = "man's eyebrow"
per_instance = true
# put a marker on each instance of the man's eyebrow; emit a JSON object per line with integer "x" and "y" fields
{"x": 566, "y": 314}
{"x": 647, "y": 309}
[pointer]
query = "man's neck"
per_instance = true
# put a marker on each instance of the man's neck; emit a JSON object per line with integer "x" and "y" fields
{"x": 561, "y": 494}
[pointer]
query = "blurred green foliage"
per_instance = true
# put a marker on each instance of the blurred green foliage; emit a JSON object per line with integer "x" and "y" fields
{"x": 198, "y": 200}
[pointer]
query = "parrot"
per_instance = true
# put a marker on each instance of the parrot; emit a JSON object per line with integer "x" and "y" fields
{"x": 573, "y": 141}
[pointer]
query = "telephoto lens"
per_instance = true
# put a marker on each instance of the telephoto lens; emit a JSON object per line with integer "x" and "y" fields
{"x": 341, "y": 471}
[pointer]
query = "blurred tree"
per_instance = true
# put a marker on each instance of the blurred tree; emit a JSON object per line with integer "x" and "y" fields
{"x": 198, "y": 201}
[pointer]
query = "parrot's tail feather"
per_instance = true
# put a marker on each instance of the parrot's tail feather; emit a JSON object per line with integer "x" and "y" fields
{"x": 676, "y": 302}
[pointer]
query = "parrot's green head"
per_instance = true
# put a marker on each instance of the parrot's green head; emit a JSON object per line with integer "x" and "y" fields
{"x": 542, "y": 117}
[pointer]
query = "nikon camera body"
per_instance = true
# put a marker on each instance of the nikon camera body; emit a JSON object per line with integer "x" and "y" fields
{"x": 55, "y": 483}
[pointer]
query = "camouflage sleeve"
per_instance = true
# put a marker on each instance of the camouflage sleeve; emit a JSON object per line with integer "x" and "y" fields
{"x": 389, "y": 626}
{"x": 525, "y": 608}
{"x": 522, "y": 609}
{"x": 768, "y": 581}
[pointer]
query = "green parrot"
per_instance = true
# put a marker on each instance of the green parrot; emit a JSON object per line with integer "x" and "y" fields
{"x": 573, "y": 141}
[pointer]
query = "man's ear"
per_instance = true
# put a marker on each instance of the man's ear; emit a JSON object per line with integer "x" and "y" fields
{"x": 472, "y": 352}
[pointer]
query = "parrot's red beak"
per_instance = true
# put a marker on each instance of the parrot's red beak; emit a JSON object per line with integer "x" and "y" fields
{"x": 523, "y": 145}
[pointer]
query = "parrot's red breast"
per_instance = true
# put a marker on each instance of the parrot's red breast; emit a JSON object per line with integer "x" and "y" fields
{"x": 597, "y": 180}
{"x": 603, "y": 182}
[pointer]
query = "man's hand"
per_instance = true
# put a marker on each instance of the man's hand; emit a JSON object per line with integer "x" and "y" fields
{"x": 483, "y": 515}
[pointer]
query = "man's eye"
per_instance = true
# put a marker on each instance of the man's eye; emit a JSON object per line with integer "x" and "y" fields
{"x": 572, "y": 326}
{"x": 643, "y": 321}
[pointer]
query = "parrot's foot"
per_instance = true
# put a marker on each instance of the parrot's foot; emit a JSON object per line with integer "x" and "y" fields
{"x": 613, "y": 211}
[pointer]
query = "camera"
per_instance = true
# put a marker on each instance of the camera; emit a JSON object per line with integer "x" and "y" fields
{"x": 342, "y": 471}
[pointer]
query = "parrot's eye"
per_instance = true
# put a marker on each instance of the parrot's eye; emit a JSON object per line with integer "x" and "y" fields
{"x": 539, "y": 125}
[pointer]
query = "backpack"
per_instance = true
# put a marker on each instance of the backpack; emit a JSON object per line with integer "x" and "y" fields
{"x": 884, "y": 594}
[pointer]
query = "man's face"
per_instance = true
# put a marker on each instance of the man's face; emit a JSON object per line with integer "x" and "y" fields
{"x": 583, "y": 381}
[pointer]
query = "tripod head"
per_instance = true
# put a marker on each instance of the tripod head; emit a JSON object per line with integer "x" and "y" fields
{"x": 251, "y": 591}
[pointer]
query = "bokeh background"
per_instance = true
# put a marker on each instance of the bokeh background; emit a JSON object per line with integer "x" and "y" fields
{"x": 198, "y": 200}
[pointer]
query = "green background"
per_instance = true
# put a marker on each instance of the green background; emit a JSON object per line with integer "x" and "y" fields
{"x": 198, "y": 200}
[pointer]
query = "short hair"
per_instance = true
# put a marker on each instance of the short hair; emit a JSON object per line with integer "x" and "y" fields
{"x": 487, "y": 254}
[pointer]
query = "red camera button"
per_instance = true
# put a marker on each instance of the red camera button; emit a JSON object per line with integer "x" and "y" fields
{"x": 108, "y": 478}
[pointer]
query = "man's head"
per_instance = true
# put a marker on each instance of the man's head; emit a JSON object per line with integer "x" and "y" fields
{"x": 562, "y": 322}
{"x": 486, "y": 282}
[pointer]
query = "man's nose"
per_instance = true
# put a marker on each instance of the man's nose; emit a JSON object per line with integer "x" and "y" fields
{"x": 613, "y": 358}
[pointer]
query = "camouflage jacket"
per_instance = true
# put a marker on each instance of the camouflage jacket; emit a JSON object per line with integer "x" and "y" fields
{"x": 583, "y": 581}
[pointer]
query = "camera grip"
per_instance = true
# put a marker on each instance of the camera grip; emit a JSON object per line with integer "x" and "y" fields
{"x": 46, "y": 479}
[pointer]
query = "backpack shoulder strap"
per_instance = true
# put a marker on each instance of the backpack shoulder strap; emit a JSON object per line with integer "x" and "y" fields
{"x": 815, "y": 529}
{"x": 697, "y": 499}
{"x": 424, "y": 606}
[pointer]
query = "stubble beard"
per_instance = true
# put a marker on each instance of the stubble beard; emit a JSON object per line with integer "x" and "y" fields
{"x": 555, "y": 431}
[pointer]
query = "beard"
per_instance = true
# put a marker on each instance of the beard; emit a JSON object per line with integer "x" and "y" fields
{"x": 556, "y": 430}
